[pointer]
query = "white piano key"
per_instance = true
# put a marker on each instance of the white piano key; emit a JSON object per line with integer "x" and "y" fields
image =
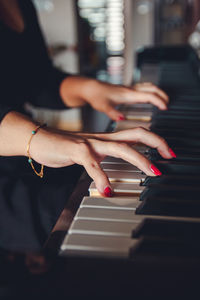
{"x": 116, "y": 203}
{"x": 138, "y": 115}
{"x": 110, "y": 159}
{"x": 127, "y": 124}
{"x": 123, "y": 176}
{"x": 113, "y": 160}
{"x": 121, "y": 215}
{"x": 96, "y": 245}
{"x": 120, "y": 189}
{"x": 137, "y": 107}
{"x": 105, "y": 228}
{"x": 120, "y": 167}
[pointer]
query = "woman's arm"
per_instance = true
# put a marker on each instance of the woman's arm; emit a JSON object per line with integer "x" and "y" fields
{"x": 60, "y": 149}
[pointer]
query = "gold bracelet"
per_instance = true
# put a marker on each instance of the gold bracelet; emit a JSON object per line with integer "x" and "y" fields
{"x": 41, "y": 173}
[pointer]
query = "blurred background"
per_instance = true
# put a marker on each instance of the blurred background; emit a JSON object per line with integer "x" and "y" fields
{"x": 100, "y": 38}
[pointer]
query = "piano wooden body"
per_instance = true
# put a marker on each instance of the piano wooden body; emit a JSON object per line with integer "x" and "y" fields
{"x": 145, "y": 241}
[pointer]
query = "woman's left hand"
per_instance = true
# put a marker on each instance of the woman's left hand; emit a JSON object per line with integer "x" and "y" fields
{"x": 105, "y": 97}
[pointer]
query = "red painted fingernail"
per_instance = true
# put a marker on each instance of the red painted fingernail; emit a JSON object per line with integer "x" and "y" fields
{"x": 108, "y": 192}
{"x": 121, "y": 118}
{"x": 155, "y": 170}
{"x": 172, "y": 153}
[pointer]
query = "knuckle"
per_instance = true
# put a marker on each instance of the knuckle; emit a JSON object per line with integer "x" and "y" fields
{"x": 139, "y": 131}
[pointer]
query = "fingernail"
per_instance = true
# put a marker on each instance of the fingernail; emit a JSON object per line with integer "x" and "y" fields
{"x": 121, "y": 118}
{"x": 108, "y": 192}
{"x": 155, "y": 170}
{"x": 172, "y": 153}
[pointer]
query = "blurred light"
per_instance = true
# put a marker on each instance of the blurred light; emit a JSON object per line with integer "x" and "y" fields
{"x": 144, "y": 8}
{"x": 96, "y": 18}
{"x": 91, "y": 3}
{"x": 115, "y": 61}
{"x": 85, "y": 12}
{"x": 44, "y": 5}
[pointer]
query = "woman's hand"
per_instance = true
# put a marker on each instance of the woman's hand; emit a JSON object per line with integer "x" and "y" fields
{"x": 55, "y": 148}
{"x": 104, "y": 97}
{"x": 64, "y": 149}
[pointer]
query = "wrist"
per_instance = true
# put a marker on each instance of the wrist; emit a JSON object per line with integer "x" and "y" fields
{"x": 76, "y": 91}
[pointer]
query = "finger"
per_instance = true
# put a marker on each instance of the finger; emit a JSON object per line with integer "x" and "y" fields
{"x": 96, "y": 173}
{"x": 113, "y": 113}
{"x": 125, "y": 152}
{"x": 153, "y": 140}
{"x": 144, "y": 136}
{"x": 143, "y": 97}
{"x": 150, "y": 88}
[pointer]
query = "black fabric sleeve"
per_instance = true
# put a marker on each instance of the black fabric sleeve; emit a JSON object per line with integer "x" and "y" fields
{"x": 49, "y": 97}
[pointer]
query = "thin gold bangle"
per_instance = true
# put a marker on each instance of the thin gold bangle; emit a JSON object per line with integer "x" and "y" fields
{"x": 30, "y": 160}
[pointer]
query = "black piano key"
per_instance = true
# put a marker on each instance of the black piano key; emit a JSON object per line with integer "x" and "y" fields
{"x": 172, "y": 167}
{"x": 176, "y": 117}
{"x": 174, "y": 180}
{"x": 166, "y": 190}
{"x": 177, "y": 229}
{"x": 172, "y": 206}
{"x": 177, "y": 114}
{"x": 180, "y": 151}
{"x": 177, "y": 132}
{"x": 181, "y": 124}
{"x": 150, "y": 246}
{"x": 155, "y": 156}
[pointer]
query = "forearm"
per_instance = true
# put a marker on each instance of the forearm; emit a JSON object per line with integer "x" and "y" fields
{"x": 15, "y": 132}
{"x": 46, "y": 147}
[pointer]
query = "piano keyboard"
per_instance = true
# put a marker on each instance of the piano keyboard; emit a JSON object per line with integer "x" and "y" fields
{"x": 149, "y": 216}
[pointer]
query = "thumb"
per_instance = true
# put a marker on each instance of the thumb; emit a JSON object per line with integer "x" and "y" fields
{"x": 113, "y": 113}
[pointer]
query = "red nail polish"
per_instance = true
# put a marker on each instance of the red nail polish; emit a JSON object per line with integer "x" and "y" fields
{"x": 121, "y": 118}
{"x": 172, "y": 153}
{"x": 155, "y": 170}
{"x": 108, "y": 192}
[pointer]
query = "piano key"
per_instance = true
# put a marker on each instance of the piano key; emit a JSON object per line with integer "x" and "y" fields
{"x": 173, "y": 180}
{"x": 136, "y": 107}
{"x": 167, "y": 228}
{"x": 131, "y": 124}
{"x": 171, "y": 206}
{"x": 174, "y": 167}
{"x": 105, "y": 228}
{"x": 138, "y": 116}
{"x": 120, "y": 189}
{"x": 157, "y": 247}
{"x": 179, "y": 191}
{"x": 121, "y": 215}
{"x": 124, "y": 176}
{"x": 113, "y": 160}
{"x": 120, "y": 167}
{"x": 117, "y": 203}
{"x": 97, "y": 245}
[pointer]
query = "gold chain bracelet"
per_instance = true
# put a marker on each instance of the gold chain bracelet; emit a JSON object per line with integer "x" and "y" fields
{"x": 30, "y": 160}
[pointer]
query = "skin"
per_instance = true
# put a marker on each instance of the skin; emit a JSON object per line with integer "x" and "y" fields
{"x": 78, "y": 91}
{"x": 56, "y": 148}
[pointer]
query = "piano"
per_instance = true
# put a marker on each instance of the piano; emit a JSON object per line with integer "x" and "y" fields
{"x": 144, "y": 241}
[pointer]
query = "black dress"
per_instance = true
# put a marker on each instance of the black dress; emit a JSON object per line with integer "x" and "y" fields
{"x": 29, "y": 206}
